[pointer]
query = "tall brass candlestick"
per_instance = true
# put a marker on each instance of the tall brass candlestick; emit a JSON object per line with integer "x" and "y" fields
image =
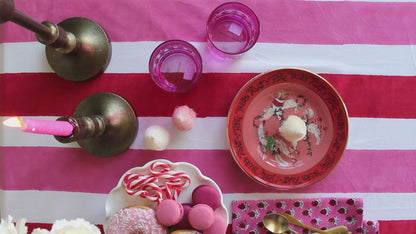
{"x": 104, "y": 125}
{"x": 77, "y": 48}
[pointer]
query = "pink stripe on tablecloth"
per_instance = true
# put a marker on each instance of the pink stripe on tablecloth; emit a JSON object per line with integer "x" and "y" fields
{"x": 397, "y": 226}
{"x": 72, "y": 169}
{"x": 284, "y": 21}
{"x": 46, "y": 94}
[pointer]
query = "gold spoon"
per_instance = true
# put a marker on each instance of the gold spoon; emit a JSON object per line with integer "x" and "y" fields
{"x": 295, "y": 221}
{"x": 337, "y": 230}
{"x": 277, "y": 223}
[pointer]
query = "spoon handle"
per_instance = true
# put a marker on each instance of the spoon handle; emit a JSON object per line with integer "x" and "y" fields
{"x": 296, "y": 222}
{"x": 337, "y": 230}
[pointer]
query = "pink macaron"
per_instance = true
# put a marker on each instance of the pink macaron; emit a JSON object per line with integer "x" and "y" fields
{"x": 169, "y": 212}
{"x": 218, "y": 227}
{"x": 201, "y": 216}
{"x": 184, "y": 222}
{"x": 207, "y": 194}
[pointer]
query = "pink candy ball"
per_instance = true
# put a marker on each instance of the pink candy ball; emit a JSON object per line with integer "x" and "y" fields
{"x": 201, "y": 216}
{"x": 184, "y": 118}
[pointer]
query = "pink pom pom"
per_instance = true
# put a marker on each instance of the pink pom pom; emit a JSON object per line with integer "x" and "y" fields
{"x": 184, "y": 118}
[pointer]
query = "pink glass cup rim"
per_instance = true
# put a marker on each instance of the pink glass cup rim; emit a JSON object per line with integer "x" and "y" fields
{"x": 246, "y": 7}
{"x": 198, "y": 61}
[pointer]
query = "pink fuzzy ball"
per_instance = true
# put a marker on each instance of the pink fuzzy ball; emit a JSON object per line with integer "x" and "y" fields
{"x": 184, "y": 118}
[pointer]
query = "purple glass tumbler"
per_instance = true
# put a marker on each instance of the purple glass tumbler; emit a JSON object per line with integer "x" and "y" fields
{"x": 232, "y": 29}
{"x": 175, "y": 66}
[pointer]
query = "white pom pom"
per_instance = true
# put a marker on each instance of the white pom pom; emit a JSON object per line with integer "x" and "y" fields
{"x": 156, "y": 138}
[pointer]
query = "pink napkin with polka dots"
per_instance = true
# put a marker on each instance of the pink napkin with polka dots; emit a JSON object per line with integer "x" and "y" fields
{"x": 322, "y": 213}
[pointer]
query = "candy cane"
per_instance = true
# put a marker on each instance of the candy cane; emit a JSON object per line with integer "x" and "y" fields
{"x": 167, "y": 188}
{"x": 171, "y": 191}
{"x": 174, "y": 175}
{"x": 176, "y": 192}
{"x": 174, "y": 187}
{"x": 150, "y": 191}
{"x": 136, "y": 185}
{"x": 179, "y": 179}
{"x": 166, "y": 172}
{"x": 164, "y": 168}
{"x": 146, "y": 194}
{"x": 147, "y": 186}
{"x": 135, "y": 181}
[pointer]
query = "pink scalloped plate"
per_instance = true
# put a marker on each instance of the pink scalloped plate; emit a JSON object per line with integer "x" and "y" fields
{"x": 260, "y": 108}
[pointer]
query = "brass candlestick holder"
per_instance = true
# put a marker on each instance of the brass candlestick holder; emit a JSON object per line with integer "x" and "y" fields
{"x": 104, "y": 125}
{"x": 77, "y": 49}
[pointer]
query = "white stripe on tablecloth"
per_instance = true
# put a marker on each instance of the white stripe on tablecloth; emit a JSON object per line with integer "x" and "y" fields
{"x": 133, "y": 57}
{"x": 209, "y": 134}
{"x": 46, "y": 206}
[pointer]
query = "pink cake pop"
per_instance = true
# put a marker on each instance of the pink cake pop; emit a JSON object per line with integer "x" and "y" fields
{"x": 184, "y": 118}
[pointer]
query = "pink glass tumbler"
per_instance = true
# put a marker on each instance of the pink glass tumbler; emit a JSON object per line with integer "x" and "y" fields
{"x": 232, "y": 29}
{"x": 175, "y": 66}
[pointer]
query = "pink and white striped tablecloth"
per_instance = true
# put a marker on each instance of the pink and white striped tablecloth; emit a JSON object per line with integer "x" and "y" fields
{"x": 365, "y": 49}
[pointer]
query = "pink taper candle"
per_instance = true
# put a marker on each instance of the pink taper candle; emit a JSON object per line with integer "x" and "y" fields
{"x": 41, "y": 126}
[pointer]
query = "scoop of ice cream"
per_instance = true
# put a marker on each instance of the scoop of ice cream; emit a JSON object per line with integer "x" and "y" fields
{"x": 156, "y": 137}
{"x": 293, "y": 128}
{"x": 184, "y": 118}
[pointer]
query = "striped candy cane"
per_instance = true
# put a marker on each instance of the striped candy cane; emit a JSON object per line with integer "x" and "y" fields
{"x": 135, "y": 181}
{"x": 149, "y": 191}
{"x": 159, "y": 165}
{"x": 161, "y": 181}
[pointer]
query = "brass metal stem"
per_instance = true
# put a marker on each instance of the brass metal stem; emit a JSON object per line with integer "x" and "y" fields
{"x": 77, "y": 48}
{"x": 104, "y": 125}
{"x": 47, "y": 33}
{"x": 84, "y": 127}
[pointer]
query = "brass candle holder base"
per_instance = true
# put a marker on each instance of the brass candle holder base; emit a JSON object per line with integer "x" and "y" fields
{"x": 77, "y": 49}
{"x": 90, "y": 59}
{"x": 104, "y": 125}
